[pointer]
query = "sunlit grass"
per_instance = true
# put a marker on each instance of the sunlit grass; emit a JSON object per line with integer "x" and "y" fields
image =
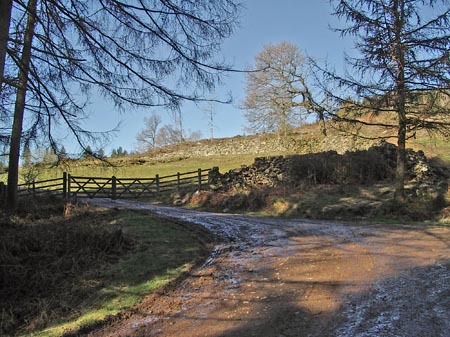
{"x": 434, "y": 147}
{"x": 147, "y": 166}
{"x": 165, "y": 250}
{"x": 146, "y": 170}
{"x": 121, "y": 298}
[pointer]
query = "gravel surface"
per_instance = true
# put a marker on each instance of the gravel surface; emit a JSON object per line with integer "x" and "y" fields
{"x": 279, "y": 277}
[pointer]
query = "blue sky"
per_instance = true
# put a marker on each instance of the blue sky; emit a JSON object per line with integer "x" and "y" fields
{"x": 304, "y": 23}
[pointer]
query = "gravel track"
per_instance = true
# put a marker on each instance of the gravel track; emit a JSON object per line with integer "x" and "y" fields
{"x": 279, "y": 277}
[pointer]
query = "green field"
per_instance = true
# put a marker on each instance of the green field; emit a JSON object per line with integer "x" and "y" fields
{"x": 165, "y": 162}
{"x": 128, "y": 168}
{"x": 433, "y": 147}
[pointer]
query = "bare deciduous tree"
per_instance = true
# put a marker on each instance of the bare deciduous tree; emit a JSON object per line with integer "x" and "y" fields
{"x": 168, "y": 135}
{"x": 194, "y": 135}
{"x": 210, "y": 114}
{"x": 141, "y": 53}
{"x": 278, "y": 97}
{"x": 147, "y": 137}
{"x": 403, "y": 68}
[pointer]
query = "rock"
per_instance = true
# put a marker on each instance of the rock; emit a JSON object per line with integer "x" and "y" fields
{"x": 177, "y": 202}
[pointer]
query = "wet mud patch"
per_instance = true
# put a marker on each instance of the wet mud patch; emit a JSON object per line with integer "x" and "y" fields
{"x": 278, "y": 277}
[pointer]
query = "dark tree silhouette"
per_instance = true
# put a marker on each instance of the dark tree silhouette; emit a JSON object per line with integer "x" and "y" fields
{"x": 5, "y": 19}
{"x": 139, "y": 53}
{"x": 403, "y": 69}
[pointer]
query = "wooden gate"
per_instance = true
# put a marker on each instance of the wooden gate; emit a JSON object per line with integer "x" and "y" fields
{"x": 100, "y": 187}
{"x": 114, "y": 187}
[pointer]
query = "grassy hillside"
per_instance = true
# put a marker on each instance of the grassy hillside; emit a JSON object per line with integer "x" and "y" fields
{"x": 230, "y": 153}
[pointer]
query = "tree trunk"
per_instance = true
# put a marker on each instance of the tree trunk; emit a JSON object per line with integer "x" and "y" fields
{"x": 401, "y": 161}
{"x": 5, "y": 19}
{"x": 399, "y": 52}
{"x": 19, "y": 108}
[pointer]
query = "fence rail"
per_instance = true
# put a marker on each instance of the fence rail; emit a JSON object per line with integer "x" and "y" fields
{"x": 113, "y": 187}
{"x": 50, "y": 186}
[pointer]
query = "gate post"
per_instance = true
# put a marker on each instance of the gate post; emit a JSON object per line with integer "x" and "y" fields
{"x": 199, "y": 178}
{"x": 157, "y": 183}
{"x": 2, "y": 192}
{"x": 69, "y": 178}
{"x": 113, "y": 183}
{"x": 64, "y": 178}
{"x": 178, "y": 181}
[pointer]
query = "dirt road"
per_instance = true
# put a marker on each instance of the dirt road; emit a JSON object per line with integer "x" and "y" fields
{"x": 277, "y": 277}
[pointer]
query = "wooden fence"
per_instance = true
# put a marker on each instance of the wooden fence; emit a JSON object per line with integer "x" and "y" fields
{"x": 99, "y": 187}
{"x": 56, "y": 186}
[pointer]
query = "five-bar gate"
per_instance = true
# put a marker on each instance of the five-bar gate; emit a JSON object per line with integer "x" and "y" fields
{"x": 70, "y": 186}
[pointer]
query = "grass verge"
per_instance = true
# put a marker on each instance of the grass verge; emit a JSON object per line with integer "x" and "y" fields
{"x": 331, "y": 202}
{"x": 90, "y": 281}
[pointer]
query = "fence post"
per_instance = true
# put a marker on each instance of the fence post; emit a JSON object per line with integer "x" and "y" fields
{"x": 199, "y": 178}
{"x": 2, "y": 192}
{"x": 64, "y": 178}
{"x": 69, "y": 178}
{"x": 113, "y": 183}
{"x": 34, "y": 188}
{"x": 157, "y": 183}
{"x": 178, "y": 181}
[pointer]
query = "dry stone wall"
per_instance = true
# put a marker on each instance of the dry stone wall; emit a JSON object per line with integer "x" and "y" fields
{"x": 299, "y": 143}
{"x": 357, "y": 167}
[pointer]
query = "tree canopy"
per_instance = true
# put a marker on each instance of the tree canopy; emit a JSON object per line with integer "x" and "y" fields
{"x": 277, "y": 96}
{"x": 402, "y": 68}
{"x": 55, "y": 54}
{"x": 147, "y": 137}
{"x": 155, "y": 135}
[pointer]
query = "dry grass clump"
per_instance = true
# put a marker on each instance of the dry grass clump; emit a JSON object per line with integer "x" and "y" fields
{"x": 249, "y": 200}
{"x": 326, "y": 201}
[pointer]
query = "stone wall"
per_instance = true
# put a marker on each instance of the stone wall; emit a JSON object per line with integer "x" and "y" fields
{"x": 299, "y": 143}
{"x": 358, "y": 167}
